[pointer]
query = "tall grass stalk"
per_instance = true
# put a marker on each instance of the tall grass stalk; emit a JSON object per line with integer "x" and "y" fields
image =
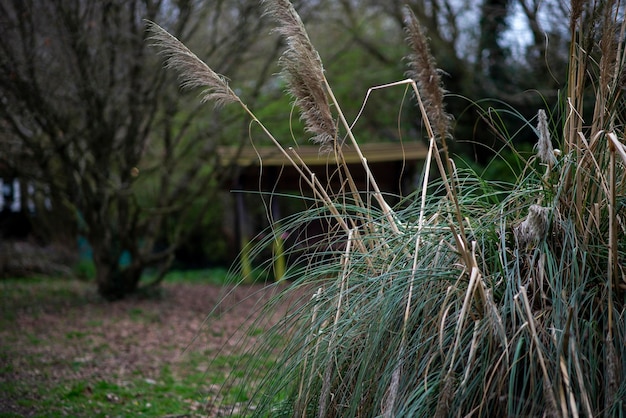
{"x": 464, "y": 299}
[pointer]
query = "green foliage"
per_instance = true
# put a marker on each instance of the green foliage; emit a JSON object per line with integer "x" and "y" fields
{"x": 140, "y": 396}
{"x": 213, "y": 276}
{"x": 84, "y": 269}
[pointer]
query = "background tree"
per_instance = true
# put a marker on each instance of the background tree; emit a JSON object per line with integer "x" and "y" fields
{"x": 89, "y": 113}
{"x": 498, "y": 52}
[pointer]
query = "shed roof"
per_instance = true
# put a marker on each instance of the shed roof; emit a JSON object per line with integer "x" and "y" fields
{"x": 310, "y": 154}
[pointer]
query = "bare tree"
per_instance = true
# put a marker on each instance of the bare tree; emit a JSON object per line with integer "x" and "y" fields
{"x": 86, "y": 110}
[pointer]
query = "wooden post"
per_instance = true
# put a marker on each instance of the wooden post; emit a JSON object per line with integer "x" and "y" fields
{"x": 241, "y": 229}
{"x": 280, "y": 263}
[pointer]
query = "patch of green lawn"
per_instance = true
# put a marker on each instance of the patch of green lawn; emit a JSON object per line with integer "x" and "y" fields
{"x": 166, "y": 395}
{"x": 180, "y": 389}
{"x": 217, "y": 276}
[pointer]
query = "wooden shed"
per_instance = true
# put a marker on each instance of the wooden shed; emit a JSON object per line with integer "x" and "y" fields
{"x": 394, "y": 166}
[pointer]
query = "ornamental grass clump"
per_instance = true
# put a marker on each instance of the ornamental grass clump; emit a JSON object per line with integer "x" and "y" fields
{"x": 464, "y": 299}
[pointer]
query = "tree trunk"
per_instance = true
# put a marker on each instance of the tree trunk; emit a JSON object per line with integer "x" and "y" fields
{"x": 115, "y": 284}
{"x": 114, "y": 281}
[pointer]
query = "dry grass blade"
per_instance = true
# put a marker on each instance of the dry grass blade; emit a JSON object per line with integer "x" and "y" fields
{"x": 548, "y": 391}
{"x": 304, "y": 73}
{"x": 584, "y": 396}
{"x": 612, "y": 367}
{"x": 193, "y": 72}
{"x": 326, "y": 382}
{"x": 617, "y": 146}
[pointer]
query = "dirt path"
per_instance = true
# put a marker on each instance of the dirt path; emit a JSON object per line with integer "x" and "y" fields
{"x": 74, "y": 335}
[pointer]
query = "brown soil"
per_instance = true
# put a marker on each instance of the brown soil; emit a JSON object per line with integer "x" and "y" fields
{"x": 118, "y": 341}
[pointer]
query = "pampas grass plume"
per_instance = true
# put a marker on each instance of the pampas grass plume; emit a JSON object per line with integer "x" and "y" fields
{"x": 193, "y": 72}
{"x": 422, "y": 69}
{"x": 545, "y": 152}
{"x": 303, "y": 70}
{"x": 534, "y": 227}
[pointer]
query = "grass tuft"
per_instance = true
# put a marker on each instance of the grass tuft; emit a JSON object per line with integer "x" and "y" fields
{"x": 467, "y": 297}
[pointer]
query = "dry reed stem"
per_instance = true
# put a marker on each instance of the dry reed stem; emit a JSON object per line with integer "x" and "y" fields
{"x": 369, "y": 92}
{"x": 446, "y": 173}
{"x": 480, "y": 296}
{"x": 547, "y": 384}
{"x": 612, "y": 280}
{"x": 613, "y": 248}
{"x": 472, "y": 354}
{"x": 568, "y": 400}
{"x": 301, "y": 403}
{"x": 326, "y": 381}
{"x": 343, "y": 166}
{"x": 444, "y": 316}
{"x": 394, "y": 386}
{"x": 388, "y": 212}
{"x": 573, "y": 349}
{"x": 475, "y": 277}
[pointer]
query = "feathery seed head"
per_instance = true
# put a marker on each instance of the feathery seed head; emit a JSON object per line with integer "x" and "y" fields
{"x": 534, "y": 227}
{"x": 193, "y": 72}
{"x": 545, "y": 152}
{"x": 422, "y": 69}
{"x": 303, "y": 70}
{"x": 576, "y": 13}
